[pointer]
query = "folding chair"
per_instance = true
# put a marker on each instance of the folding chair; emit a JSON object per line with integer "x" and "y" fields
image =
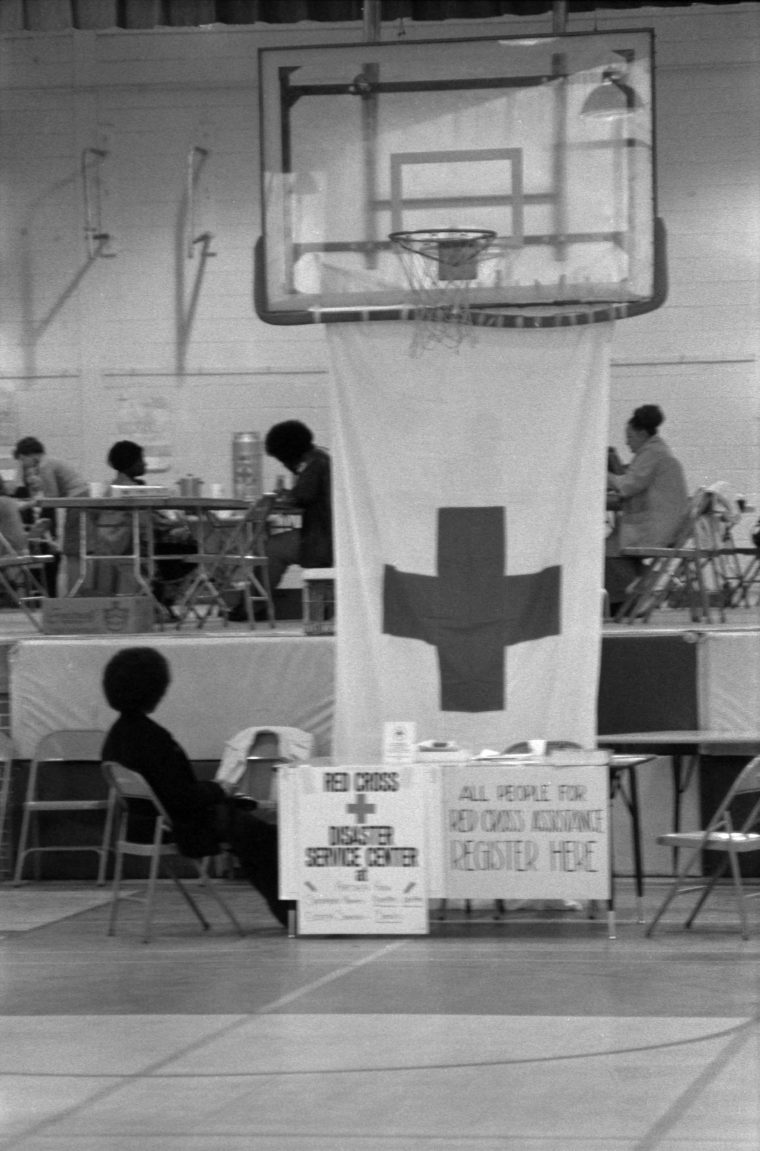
{"x": 732, "y": 566}
{"x": 75, "y": 747}
{"x": 250, "y": 761}
{"x": 680, "y": 568}
{"x": 239, "y": 565}
{"x": 130, "y": 787}
{"x": 6, "y": 766}
{"x": 733, "y": 831}
{"x": 19, "y": 569}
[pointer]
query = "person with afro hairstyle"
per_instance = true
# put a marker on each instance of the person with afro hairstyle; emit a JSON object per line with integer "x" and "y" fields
{"x": 651, "y": 501}
{"x": 311, "y": 545}
{"x": 135, "y": 680}
{"x": 170, "y": 538}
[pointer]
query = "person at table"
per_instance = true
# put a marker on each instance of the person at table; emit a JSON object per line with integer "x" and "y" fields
{"x": 311, "y": 545}
{"x": 41, "y": 475}
{"x": 650, "y": 499}
{"x": 135, "y": 680}
{"x": 114, "y": 534}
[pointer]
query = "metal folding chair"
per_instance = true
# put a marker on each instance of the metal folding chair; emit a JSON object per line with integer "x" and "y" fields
{"x": 6, "y": 766}
{"x": 130, "y": 788}
{"x": 733, "y": 831}
{"x": 20, "y": 581}
{"x": 237, "y": 565}
{"x": 44, "y": 797}
{"x": 680, "y": 568}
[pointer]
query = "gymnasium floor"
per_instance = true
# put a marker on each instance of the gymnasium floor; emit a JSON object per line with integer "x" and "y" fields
{"x": 536, "y": 1033}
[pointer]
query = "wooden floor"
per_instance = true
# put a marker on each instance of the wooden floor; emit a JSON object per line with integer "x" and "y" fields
{"x": 531, "y": 1033}
{"x": 535, "y": 1033}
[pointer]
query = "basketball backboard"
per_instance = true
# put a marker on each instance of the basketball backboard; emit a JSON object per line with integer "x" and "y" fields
{"x": 548, "y": 142}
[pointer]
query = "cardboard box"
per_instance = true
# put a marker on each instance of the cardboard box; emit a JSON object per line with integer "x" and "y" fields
{"x": 101, "y": 615}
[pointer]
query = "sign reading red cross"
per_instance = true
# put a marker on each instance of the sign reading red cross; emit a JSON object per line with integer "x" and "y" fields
{"x": 362, "y": 808}
{"x": 471, "y": 610}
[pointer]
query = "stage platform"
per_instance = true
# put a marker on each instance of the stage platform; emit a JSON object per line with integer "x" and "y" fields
{"x": 671, "y": 674}
{"x": 224, "y": 679}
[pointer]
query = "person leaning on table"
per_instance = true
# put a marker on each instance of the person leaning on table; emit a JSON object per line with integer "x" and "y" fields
{"x": 311, "y": 545}
{"x": 41, "y": 475}
{"x": 651, "y": 501}
{"x": 135, "y": 681}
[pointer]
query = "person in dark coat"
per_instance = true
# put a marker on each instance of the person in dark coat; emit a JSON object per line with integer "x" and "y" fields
{"x": 311, "y": 545}
{"x": 135, "y": 681}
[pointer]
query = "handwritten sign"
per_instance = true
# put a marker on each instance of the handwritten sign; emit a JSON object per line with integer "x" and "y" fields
{"x": 356, "y": 844}
{"x": 525, "y": 832}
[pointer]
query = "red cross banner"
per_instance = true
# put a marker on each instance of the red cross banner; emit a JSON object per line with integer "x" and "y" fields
{"x": 469, "y": 524}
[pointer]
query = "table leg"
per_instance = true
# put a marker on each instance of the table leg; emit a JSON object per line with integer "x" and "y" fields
{"x": 631, "y": 800}
{"x": 683, "y": 766}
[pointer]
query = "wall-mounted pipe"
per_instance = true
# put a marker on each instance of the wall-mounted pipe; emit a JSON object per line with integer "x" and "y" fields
{"x": 95, "y": 238}
{"x": 195, "y": 159}
{"x": 371, "y": 20}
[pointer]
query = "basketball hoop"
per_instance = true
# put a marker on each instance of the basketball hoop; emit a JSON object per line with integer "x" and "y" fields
{"x": 441, "y": 269}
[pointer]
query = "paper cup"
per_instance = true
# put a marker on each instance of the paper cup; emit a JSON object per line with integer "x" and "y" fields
{"x": 537, "y": 746}
{"x": 216, "y": 491}
{"x": 98, "y": 491}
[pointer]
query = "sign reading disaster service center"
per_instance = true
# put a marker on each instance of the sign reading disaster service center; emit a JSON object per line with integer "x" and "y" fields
{"x": 358, "y": 847}
{"x": 526, "y": 832}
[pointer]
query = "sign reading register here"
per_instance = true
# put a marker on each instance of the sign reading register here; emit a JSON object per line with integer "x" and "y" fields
{"x": 530, "y": 832}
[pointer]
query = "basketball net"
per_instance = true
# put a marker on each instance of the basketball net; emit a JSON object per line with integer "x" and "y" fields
{"x": 441, "y": 269}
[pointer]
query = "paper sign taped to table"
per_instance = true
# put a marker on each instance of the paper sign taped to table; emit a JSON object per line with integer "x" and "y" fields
{"x": 352, "y": 843}
{"x": 525, "y": 831}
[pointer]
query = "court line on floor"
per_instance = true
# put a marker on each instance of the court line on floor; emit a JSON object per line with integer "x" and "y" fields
{"x": 227, "y": 1029}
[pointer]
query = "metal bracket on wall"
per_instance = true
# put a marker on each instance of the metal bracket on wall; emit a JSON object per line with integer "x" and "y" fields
{"x": 195, "y": 160}
{"x": 95, "y": 237}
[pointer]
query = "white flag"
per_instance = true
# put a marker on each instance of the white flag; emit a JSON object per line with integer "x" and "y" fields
{"x": 469, "y": 523}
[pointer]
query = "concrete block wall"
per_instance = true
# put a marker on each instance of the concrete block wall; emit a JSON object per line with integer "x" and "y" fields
{"x": 141, "y": 340}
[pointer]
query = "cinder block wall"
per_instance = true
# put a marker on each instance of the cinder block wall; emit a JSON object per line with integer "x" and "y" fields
{"x": 142, "y": 341}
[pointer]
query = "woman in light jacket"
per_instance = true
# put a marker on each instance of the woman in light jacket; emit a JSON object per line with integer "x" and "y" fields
{"x": 651, "y": 500}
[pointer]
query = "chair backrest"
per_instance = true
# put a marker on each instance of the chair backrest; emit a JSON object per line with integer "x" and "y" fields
{"x": 687, "y": 532}
{"x": 130, "y": 785}
{"x": 80, "y": 748}
{"x": 746, "y": 783}
{"x": 83, "y": 745}
{"x": 261, "y": 763}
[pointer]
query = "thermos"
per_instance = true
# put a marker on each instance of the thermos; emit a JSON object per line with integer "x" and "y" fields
{"x": 247, "y": 466}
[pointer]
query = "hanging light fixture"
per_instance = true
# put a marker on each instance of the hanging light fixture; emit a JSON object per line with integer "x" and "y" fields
{"x": 612, "y": 98}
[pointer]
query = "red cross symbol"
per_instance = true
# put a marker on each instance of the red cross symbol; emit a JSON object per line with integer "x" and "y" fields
{"x": 471, "y": 610}
{"x": 361, "y": 809}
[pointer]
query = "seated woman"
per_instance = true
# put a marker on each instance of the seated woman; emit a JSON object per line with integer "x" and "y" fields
{"x": 651, "y": 501}
{"x": 135, "y": 681}
{"x": 115, "y": 535}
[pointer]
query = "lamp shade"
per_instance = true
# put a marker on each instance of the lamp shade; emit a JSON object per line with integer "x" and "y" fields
{"x": 610, "y": 99}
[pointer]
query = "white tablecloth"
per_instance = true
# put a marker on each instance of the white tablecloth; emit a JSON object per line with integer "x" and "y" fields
{"x": 220, "y": 685}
